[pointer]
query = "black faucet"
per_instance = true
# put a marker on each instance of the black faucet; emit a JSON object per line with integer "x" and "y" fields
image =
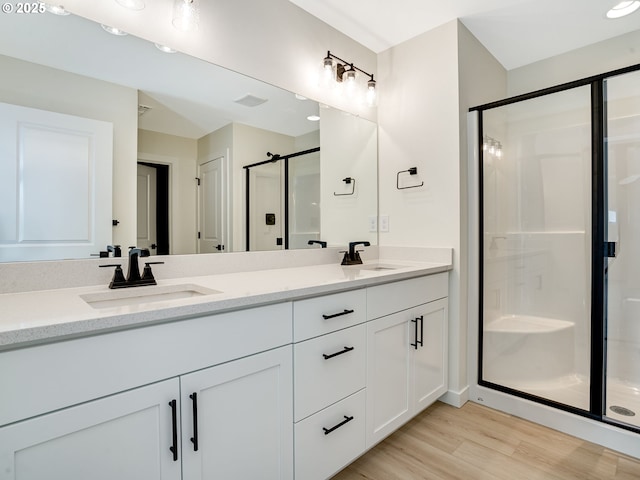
{"x": 133, "y": 275}
{"x": 115, "y": 249}
{"x": 352, "y": 257}
{"x": 319, "y": 242}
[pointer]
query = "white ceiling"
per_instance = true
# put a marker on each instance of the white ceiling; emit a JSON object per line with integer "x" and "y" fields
{"x": 516, "y": 32}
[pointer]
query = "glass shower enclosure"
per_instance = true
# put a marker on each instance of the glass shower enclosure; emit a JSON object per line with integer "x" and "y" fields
{"x": 560, "y": 247}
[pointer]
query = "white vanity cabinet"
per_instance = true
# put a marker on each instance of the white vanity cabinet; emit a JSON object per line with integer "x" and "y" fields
{"x": 125, "y": 436}
{"x": 76, "y": 423}
{"x": 329, "y": 382}
{"x": 237, "y": 419}
{"x": 406, "y": 350}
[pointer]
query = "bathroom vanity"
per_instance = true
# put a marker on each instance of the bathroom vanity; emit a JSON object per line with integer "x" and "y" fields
{"x": 272, "y": 374}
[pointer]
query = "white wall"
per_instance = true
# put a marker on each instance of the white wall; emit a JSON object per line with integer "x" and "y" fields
{"x": 181, "y": 155}
{"x": 36, "y": 86}
{"x": 347, "y": 149}
{"x": 594, "y": 59}
{"x": 427, "y": 85}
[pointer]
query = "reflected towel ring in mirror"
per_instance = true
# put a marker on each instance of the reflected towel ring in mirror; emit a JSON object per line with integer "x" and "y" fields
{"x": 348, "y": 181}
{"x": 411, "y": 171}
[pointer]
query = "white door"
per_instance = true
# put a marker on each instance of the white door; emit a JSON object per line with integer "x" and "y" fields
{"x": 211, "y": 207}
{"x": 241, "y": 419}
{"x": 266, "y": 223}
{"x": 147, "y": 208}
{"x": 55, "y": 184}
{"x": 126, "y": 437}
{"x": 429, "y": 372}
{"x": 388, "y": 360}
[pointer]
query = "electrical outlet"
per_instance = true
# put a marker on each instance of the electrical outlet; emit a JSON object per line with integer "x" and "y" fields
{"x": 373, "y": 223}
{"x": 384, "y": 223}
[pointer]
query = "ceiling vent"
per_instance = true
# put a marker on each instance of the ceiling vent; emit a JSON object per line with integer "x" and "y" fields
{"x": 142, "y": 109}
{"x": 250, "y": 100}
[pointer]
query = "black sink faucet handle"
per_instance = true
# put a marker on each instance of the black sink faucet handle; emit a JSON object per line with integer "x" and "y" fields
{"x": 319, "y": 242}
{"x": 118, "y": 279}
{"x": 115, "y": 249}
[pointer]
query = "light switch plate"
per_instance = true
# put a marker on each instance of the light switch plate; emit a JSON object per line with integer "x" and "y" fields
{"x": 373, "y": 223}
{"x": 384, "y": 223}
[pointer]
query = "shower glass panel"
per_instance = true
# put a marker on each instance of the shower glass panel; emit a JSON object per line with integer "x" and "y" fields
{"x": 266, "y": 207}
{"x": 304, "y": 200}
{"x": 536, "y": 246}
{"x": 623, "y": 272}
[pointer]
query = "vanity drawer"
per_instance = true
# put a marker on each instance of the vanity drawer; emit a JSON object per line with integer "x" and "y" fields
{"x": 320, "y": 381}
{"x": 319, "y": 455}
{"x": 319, "y": 315}
{"x": 393, "y": 297}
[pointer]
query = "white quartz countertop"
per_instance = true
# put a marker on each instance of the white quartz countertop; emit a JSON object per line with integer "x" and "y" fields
{"x": 49, "y": 315}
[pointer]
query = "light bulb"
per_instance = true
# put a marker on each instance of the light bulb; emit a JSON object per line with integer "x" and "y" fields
{"x": 113, "y": 30}
{"x": 186, "y": 15}
{"x": 349, "y": 80}
{"x": 492, "y": 147}
{"x": 623, "y": 8}
{"x": 326, "y": 75}
{"x": 371, "y": 93}
{"x": 499, "y": 150}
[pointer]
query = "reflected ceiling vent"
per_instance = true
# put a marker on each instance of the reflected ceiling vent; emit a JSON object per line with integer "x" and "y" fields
{"x": 250, "y": 100}
{"x": 142, "y": 109}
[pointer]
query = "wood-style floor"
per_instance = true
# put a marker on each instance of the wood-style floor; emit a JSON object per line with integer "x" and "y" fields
{"x": 477, "y": 443}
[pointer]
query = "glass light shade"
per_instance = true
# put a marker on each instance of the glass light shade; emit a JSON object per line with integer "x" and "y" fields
{"x": 372, "y": 94}
{"x": 113, "y": 30}
{"x": 55, "y": 9}
{"x": 186, "y": 15}
{"x": 623, "y": 8}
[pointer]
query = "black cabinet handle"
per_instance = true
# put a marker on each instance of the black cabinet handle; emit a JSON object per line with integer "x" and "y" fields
{"x": 346, "y": 349}
{"x": 345, "y": 312}
{"x": 346, "y": 420}
{"x": 174, "y": 423}
{"x": 415, "y": 322}
{"x": 194, "y": 439}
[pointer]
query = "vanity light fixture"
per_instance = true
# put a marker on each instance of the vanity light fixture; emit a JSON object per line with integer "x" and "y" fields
{"x": 344, "y": 72}
{"x": 623, "y": 9}
{"x": 186, "y": 14}
{"x": 492, "y": 146}
{"x": 113, "y": 30}
{"x": 131, "y": 4}
{"x": 55, "y": 9}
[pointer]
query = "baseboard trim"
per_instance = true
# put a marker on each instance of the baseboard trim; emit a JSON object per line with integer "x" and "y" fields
{"x": 456, "y": 399}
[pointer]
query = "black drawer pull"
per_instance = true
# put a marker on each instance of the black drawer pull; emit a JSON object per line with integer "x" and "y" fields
{"x": 174, "y": 425}
{"x": 415, "y": 321}
{"x": 346, "y": 349}
{"x": 194, "y": 439}
{"x": 345, "y": 312}
{"x": 346, "y": 420}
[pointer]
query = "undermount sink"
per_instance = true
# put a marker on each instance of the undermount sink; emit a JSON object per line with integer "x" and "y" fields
{"x": 145, "y": 295}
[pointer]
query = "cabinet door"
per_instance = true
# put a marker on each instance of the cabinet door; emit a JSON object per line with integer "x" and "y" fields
{"x": 240, "y": 423}
{"x": 388, "y": 357}
{"x": 125, "y": 436}
{"x": 429, "y": 372}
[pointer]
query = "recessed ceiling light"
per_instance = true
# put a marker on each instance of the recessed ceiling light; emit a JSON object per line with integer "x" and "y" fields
{"x": 313, "y": 118}
{"x": 165, "y": 49}
{"x": 55, "y": 9}
{"x": 300, "y": 97}
{"x": 113, "y": 30}
{"x": 132, "y": 4}
{"x": 623, "y": 8}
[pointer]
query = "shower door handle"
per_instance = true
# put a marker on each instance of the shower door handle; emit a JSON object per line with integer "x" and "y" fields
{"x": 610, "y": 249}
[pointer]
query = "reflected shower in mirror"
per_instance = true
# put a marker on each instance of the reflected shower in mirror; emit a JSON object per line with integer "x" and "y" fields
{"x": 182, "y": 128}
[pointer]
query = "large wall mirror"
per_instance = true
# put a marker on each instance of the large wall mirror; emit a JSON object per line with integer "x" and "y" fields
{"x": 107, "y": 139}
